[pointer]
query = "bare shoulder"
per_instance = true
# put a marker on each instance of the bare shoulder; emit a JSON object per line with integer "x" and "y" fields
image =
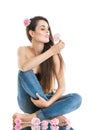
{"x": 22, "y": 50}
{"x": 24, "y": 55}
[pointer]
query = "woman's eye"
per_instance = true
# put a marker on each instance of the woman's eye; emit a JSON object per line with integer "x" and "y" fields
{"x": 42, "y": 29}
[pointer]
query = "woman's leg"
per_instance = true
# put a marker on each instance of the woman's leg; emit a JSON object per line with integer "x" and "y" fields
{"x": 28, "y": 86}
{"x": 24, "y": 101}
{"x": 64, "y": 105}
{"x": 29, "y": 83}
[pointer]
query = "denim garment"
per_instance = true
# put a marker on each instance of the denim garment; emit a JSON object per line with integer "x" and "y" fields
{"x": 28, "y": 86}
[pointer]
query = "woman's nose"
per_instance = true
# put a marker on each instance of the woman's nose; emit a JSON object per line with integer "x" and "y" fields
{"x": 47, "y": 31}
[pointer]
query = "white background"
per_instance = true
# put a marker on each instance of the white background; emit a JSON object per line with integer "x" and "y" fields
{"x": 67, "y": 17}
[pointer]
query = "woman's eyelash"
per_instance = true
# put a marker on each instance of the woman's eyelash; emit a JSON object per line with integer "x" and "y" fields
{"x": 44, "y": 29}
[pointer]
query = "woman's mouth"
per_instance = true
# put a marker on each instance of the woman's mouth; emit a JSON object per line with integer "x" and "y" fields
{"x": 47, "y": 35}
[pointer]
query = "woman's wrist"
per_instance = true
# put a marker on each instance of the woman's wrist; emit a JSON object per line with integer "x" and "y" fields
{"x": 49, "y": 102}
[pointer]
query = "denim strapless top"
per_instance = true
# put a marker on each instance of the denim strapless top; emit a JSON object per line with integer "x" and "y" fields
{"x": 38, "y": 75}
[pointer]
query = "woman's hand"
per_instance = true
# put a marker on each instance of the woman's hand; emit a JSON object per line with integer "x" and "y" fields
{"x": 40, "y": 102}
{"x": 56, "y": 48}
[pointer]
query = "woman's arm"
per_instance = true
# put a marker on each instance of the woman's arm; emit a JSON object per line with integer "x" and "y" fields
{"x": 33, "y": 61}
{"x": 60, "y": 90}
{"x": 60, "y": 80}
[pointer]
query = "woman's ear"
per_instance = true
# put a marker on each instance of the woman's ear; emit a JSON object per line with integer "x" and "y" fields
{"x": 31, "y": 33}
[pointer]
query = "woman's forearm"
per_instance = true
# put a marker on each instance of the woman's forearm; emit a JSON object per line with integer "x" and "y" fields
{"x": 35, "y": 61}
{"x": 59, "y": 92}
{"x": 56, "y": 96}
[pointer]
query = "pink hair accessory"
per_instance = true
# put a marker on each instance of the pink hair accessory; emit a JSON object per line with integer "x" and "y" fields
{"x": 27, "y": 22}
{"x": 54, "y": 122}
{"x": 56, "y": 37}
{"x": 35, "y": 121}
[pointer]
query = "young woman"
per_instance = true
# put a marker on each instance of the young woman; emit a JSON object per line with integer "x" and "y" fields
{"x": 39, "y": 66}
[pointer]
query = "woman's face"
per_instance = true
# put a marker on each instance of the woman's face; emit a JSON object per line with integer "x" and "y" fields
{"x": 41, "y": 33}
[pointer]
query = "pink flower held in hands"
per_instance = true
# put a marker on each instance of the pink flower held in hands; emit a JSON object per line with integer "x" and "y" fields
{"x": 56, "y": 37}
{"x": 27, "y": 22}
{"x": 54, "y": 122}
{"x": 35, "y": 121}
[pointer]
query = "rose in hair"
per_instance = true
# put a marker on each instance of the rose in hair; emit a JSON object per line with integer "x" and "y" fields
{"x": 27, "y": 22}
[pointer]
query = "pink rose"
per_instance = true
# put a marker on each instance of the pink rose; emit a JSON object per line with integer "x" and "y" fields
{"x": 68, "y": 124}
{"x": 68, "y": 127}
{"x": 44, "y": 127}
{"x": 68, "y": 121}
{"x": 54, "y": 127}
{"x": 17, "y": 121}
{"x": 17, "y": 127}
{"x": 27, "y": 22}
{"x": 35, "y": 127}
{"x": 44, "y": 123}
{"x": 35, "y": 121}
{"x": 56, "y": 37}
{"x": 54, "y": 122}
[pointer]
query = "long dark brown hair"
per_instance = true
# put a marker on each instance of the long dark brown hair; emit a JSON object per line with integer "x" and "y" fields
{"x": 47, "y": 67}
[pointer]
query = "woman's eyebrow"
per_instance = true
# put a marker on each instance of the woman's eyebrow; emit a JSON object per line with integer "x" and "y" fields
{"x": 44, "y": 26}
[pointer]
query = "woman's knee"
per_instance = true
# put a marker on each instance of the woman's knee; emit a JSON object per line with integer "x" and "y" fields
{"x": 77, "y": 99}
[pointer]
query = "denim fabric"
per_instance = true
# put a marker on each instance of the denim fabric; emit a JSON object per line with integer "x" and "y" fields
{"x": 28, "y": 86}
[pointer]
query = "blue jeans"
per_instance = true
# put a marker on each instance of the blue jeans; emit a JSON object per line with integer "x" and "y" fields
{"x": 28, "y": 86}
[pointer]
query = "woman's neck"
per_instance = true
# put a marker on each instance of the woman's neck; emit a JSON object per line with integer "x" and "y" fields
{"x": 38, "y": 47}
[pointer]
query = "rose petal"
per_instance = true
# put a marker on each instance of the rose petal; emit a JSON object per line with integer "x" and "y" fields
{"x": 68, "y": 127}
{"x": 56, "y": 37}
{"x": 44, "y": 123}
{"x": 44, "y": 127}
{"x": 17, "y": 127}
{"x": 54, "y": 127}
{"x": 35, "y": 127}
{"x": 17, "y": 121}
{"x": 54, "y": 121}
{"x": 27, "y": 22}
{"x": 35, "y": 121}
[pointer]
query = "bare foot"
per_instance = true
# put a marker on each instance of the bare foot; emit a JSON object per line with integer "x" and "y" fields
{"x": 25, "y": 117}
